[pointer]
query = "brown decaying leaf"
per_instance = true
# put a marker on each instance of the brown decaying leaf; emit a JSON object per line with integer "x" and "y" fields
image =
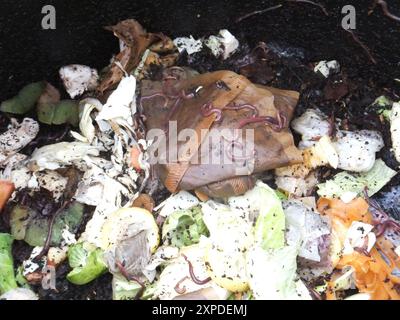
{"x": 50, "y": 95}
{"x": 144, "y": 201}
{"x": 137, "y": 40}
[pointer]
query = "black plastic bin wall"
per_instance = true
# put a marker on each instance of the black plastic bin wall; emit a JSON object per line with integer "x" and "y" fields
{"x": 29, "y": 53}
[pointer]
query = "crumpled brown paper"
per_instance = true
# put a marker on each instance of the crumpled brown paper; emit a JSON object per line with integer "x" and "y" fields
{"x": 223, "y": 102}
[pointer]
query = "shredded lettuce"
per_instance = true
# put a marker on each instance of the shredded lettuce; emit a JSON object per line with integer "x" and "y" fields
{"x": 344, "y": 182}
{"x": 87, "y": 262}
{"x": 184, "y": 228}
{"x": 7, "y": 276}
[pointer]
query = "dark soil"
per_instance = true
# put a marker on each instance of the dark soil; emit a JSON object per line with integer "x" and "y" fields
{"x": 295, "y": 36}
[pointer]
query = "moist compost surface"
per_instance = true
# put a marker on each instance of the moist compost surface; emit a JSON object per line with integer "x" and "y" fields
{"x": 296, "y": 35}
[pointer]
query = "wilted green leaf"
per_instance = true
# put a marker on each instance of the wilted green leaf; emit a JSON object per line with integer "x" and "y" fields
{"x": 7, "y": 276}
{"x": 65, "y": 111}
{"x": 25, "y": 100}
{"x": 37, "y": 229}
{"x": 87, "y": 263}
{"x": 19, "y": 220}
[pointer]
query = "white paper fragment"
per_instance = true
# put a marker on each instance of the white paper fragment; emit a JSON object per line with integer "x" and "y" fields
{"x": 121, "y": 104}
{"x": 52, "y": 181}
{"x": 190, "y": 44}
{"x": 356, "y": 149}
{"x": 327, "y": 68}
{"x": 395, "y": 129}
{"x": 298, "y": 187}
{"x": 312, "y": 124}
{"x": 78, "y": 78}
{"x": 104, "y": 192}
{"x": 224, "y": 44}
{"x": 17, "y": 137}
{"x": 61, "y": 154}
{"x": 28, "y": 265}
{"x": 359, "y": 235}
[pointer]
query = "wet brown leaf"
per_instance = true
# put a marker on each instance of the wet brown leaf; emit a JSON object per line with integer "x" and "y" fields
{"x": 137, "y": 40}
{"x": 144, "y": 201}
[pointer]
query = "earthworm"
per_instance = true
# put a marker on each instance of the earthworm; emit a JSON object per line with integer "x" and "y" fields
{"x": 323, "y": 9}
{"x": 155, "y": 95}
{"x": 277, "y": 124}
{"x": 207, "y": 110}
{"x": 193, "y": 276}
{"x": 257, "y": 12}
{"x": 362, "y": 45}
{"x": 236, "y": 107}
{"x": 384, "y": 222}
{"x": 178, "y": 288}
{"x": 386, "y": 11}
{"x": 50, "y": 232}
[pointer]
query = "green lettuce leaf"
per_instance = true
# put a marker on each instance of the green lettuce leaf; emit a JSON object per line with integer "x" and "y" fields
{"x": 272, "y": 274}
{"x": 124, "y": 289}
{"x": 7, "y": 275}
{"x": 270, "y": 225}
{"x": 344, "y": 182}
{"x": 184, "y": 228}
{"x": 87, "y": 262}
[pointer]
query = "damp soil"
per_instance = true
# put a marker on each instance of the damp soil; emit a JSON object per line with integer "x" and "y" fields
{"x": 293, "y": 38}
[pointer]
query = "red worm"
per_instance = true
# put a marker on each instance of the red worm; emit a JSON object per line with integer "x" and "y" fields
{"x": 193, "y": 276}
{"x": 277, "y": 124}
{"x": 241, "y": 107}
{"x": 128, "y": 277}
{"x": 178, "y": 288}
{"x": 207, "y": 110}
{"x": 155, "y": 95}
{"x": 271, "y": 121}
{"x": 385, "y": 222}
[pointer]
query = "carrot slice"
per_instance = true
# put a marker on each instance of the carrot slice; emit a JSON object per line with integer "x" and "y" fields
{"x": 134, "y": 158}
{"x": 6, "y": 190}
{"x": 373, "y": 274}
